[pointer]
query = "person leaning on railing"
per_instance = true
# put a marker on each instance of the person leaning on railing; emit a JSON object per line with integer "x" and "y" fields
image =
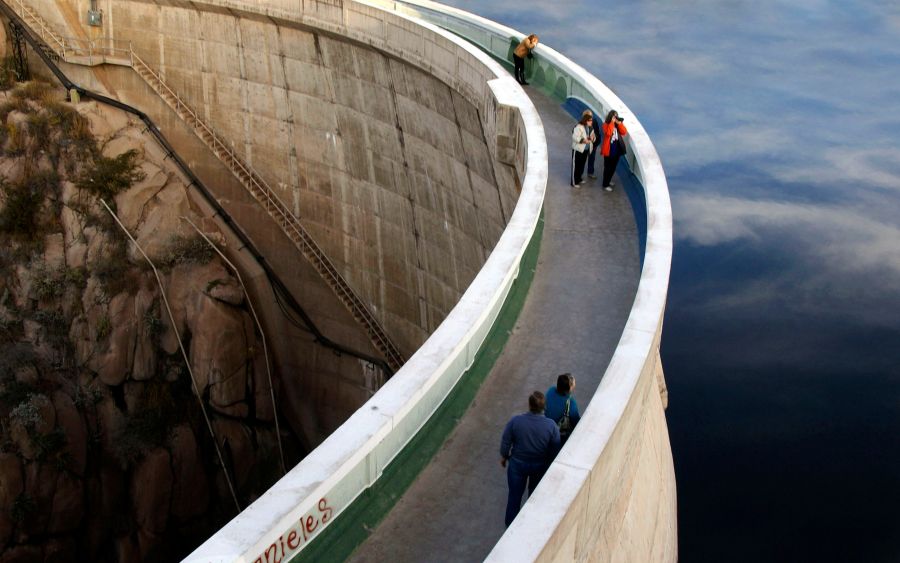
{"x": 523, "y": 50}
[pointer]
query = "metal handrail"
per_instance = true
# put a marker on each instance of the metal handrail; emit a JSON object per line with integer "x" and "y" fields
{"x": 258, "y": 188}
{"x": 278, "y": 287}
{"x": 26, "y": 14}
{"x": 68, "y": 47}
{"x": 276, "y": 207}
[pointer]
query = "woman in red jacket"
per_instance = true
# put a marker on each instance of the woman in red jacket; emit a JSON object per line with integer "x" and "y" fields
{"x": 612, "y": 130}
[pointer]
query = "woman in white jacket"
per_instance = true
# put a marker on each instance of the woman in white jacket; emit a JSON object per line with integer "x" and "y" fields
{"x": 582, "y": 143}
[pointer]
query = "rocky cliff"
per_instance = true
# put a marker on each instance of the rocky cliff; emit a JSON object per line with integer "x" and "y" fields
{"x": 105, "y": 453}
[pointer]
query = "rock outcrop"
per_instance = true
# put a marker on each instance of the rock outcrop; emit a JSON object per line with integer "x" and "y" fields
{"x": 106, "y": 455}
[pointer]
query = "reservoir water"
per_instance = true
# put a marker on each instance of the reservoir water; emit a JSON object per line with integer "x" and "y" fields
{"x": 777, "y": 123}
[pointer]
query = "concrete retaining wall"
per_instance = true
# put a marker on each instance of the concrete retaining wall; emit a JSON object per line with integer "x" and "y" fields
{"x": 610, "y": 494}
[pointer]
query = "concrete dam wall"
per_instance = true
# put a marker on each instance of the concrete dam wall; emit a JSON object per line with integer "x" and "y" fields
{"x": 388, "y": 167}
{"x": 395, "y": 172}
{"x": 610, "y": 495}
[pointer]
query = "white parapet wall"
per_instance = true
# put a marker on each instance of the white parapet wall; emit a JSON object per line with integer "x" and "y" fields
{"x": 315, "y": 492}
{"x": 610, "y": 494}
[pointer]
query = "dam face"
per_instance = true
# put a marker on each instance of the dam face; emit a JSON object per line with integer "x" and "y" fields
{"x": 419, "y": 168}
{"x": 394, "y": 173}
{"x": 387, "y": 167}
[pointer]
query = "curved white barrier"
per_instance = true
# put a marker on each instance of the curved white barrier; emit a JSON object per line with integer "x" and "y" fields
{"x": 290, "y": 514}
{"x": 609, "y": 495}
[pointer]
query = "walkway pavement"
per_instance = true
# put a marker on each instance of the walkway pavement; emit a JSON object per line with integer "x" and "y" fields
{"x": 583, "y": 289}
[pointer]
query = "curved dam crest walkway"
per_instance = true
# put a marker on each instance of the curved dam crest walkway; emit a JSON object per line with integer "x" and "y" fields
{"x": 584, "y": 285}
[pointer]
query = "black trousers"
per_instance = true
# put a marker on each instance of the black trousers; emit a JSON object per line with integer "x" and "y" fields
{"x": 578, "y": 160}
{"x": 609, "y": 168}
{"x": 519, "y": 62}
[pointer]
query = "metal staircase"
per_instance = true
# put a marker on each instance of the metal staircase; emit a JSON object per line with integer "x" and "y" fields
{"x": 85, "y": 52}
{"x": 91, "y": 53}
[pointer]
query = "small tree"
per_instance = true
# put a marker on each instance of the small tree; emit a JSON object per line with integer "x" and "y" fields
{"x": 23, "y": 201}
{"x": 110, "y": 176}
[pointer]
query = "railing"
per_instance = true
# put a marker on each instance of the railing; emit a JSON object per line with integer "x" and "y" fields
{"x": 92, "y": 52}
{"x": 273, "y": 205}
{"x": 55, "y": 41}
{"x": 547, "y": 70}
{"x": 104, "y": 50}
{"x": 279, "y": 289}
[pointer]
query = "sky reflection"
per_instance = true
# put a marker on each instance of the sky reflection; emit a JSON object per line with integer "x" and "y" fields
{"x": 777, "y": 123}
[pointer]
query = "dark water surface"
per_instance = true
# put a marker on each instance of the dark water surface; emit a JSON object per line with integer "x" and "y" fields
{"x": 778, "y": 123}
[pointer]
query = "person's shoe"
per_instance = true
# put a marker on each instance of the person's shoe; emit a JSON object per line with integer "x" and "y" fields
{"x": 524, "y": 83}
{"x": 612, "y": 184}
{"x": 592, "y": 176}
{"x": 608, "y": 188}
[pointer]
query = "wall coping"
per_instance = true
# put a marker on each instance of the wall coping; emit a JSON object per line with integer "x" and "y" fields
{"x": 638, "y": 347}
{"x": 357, "y": 452}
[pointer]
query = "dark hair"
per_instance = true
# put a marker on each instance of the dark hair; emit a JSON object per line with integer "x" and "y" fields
{"x": 610, "y": 115}
{"x": 564, "y": 383}
{"x": 536, "y": 402}
{"x": 585, "y": 117}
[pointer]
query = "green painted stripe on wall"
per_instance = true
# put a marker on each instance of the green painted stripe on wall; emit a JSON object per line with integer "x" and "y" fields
{"x": 351, "y": 528}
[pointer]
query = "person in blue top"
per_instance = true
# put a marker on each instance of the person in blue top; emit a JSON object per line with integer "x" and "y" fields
{"x": 556, "y": 404}
{"x": 529, "y": 443}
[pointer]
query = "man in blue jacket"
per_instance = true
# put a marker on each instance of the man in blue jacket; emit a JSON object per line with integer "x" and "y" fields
{"x": 529, "y": 443}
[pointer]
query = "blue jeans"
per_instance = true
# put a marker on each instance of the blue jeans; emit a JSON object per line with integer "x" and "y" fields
{"x": 518, "y": 473}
